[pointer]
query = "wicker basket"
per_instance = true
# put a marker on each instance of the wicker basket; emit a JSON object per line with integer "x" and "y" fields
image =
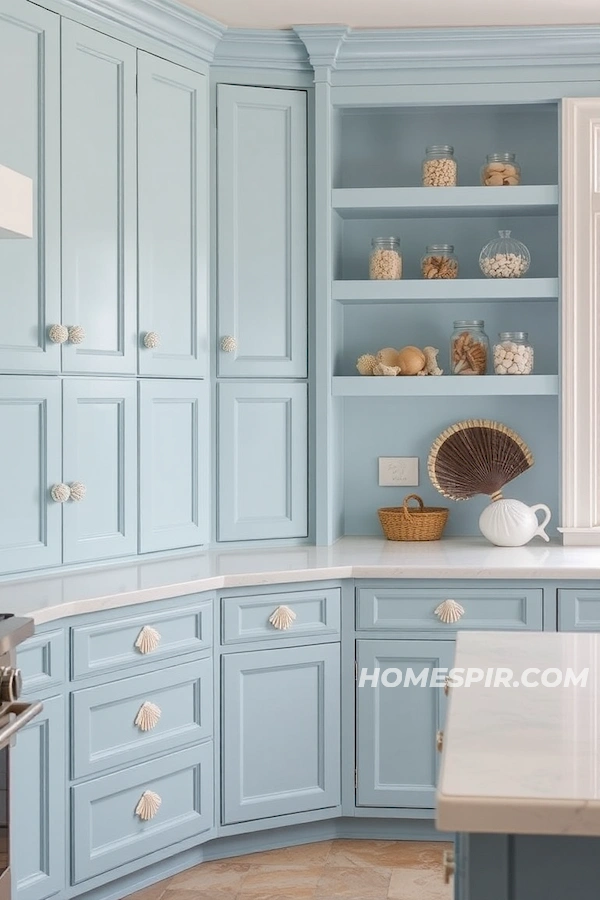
{"x": 404, "y": 523}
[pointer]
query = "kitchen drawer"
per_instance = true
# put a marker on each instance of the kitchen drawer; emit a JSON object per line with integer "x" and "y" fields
{"x": 42, "y": 661}
{"x": 107, "y": 832}
{"x": 104, "y": 733}
{"x": 247, "y": 618}
{"x": 110, "y": 645}
{"x": 413, "y": 609}
{"x": 579, "y": 610}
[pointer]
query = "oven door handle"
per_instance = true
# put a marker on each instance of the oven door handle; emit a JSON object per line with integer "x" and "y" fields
{"x": 23, "y": 713}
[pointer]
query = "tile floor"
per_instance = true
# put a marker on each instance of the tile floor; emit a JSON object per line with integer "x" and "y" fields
{"x": 347, "y": 870}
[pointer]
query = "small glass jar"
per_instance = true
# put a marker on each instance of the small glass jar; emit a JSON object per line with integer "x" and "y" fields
{"x": 513, "y": 354}
{"x": 500, "y": 170}
{"x": 439, "y": 166}
{"x": 469, "y": 348}
{"x": 504, "y": 257}
{"x": 385, "y": 262}
{"x": 439, "y": 262}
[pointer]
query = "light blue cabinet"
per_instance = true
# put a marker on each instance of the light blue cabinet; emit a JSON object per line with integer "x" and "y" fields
{"x": 172, "y": 218}
{"x": 98, "y": 201}
{"x": 263, "y": 461}
{"x": 30, "y": 143}
{"x": 397, "y": 760}
{"x": 281, "y": 732}
{"x": 262, "y": 231}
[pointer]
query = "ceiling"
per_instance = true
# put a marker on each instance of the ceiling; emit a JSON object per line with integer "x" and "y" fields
{"x": 398, "y": 13}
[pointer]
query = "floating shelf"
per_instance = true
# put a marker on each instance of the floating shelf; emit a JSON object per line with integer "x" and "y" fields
{"x": 459, "y": 289}
{"x": 445, "y": 386}
{"x": 426, "y": 202}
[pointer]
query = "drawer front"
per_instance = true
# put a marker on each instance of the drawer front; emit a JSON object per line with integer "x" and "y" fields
{"x": 42, "y": 661}
{"x": 124, "y": 721}
{"x": 247, "y": 618}
{"x": 413, "y": 609}
{"x": 579, "y": 610}
{"x": 112, "y": 645}
{"x": 108, "y": 833}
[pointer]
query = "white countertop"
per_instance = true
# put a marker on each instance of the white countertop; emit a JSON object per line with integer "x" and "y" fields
{"x": 56, "y": 596}
{"x": 523, "y": 760}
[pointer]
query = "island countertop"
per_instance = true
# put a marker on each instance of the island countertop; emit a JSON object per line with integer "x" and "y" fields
{"x": 523, "y": 760}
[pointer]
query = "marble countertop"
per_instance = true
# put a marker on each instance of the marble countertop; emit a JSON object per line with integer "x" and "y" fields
{"x": 56, "y": 596}
{"x": 523, "y": 760}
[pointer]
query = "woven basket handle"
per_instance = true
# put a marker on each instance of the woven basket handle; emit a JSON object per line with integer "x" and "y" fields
{"x": 405, "y": 506}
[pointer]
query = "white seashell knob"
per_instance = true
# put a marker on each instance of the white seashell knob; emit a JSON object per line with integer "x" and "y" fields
{"x": 148, "y": 805}
{"x": 76, "y": 334}
{"x": 78, "y": 490}
{"x": 58, "y": 334}
{"x": 449, "y": 611}
{"x": 60, "y": 493}
{"x": 147, "y": 716}
{"x": 282, "y": 618}
{"x": 228, "y": 344}
{"x": 151, "y": 340}
{"x": 148, "y": 639}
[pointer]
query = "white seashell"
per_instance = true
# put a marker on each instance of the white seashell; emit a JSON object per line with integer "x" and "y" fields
{"x": 148, "y": 639}
{"x": 78, "y": 491}
{"x": 60, "y": 493}
{"x": 282, "y": 618}
{"x": 449, "y": 611}
{"x": 147, "y": 716}
{"x": 148, "y": 805}
{"x": 76, "y": 334}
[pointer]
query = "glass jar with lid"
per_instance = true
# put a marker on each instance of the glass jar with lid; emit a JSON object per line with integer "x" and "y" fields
{"x": 439, "y": 262}
{"x": 504, "y": 257}
{"x": 500, "y": 170}
{"x": 385, "y": 262}
{"x": 469, "y": 348}
{"x": 513, "y": 354}
{"x": 439, "y": 167}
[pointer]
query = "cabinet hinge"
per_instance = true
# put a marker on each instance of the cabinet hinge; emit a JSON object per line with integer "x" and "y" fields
{"x": 355, "y": 670}
{"x": 355, "y": 778}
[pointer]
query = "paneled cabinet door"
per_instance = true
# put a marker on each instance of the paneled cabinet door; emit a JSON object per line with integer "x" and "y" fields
{"x": 37, "y": 798}
{"x": 262, "y": 239}
{"x": 100, "y": 461}
{"x": 98, "y": 202}
{"x": 172, "y": 218}
{"x": 397, "y": 759}
{"x": 174, "y": 430}
{"x": 281, "y": 732}
{"x": 30, "y": 460}
{"x": 30, "y": 143}
{"x": 262, "y": 476}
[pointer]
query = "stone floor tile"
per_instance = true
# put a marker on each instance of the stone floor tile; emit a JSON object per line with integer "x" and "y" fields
{"x": 300, "y": 855}
{"x": 419, "y": 884}
{"x": 366, "y": 883}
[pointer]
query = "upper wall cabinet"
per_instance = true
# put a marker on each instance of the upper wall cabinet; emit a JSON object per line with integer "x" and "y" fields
{"x": 98, "y": 202}
{"x": 172, "y": 219}
{"x": 262, "y": 239}
{"x": 30, "y": 143}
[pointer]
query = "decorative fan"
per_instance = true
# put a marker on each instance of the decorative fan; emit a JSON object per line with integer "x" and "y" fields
{"x": 477, "y": 457}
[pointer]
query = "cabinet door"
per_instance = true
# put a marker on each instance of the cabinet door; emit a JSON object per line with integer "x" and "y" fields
{"x": 174, "y": 427}
{"x": 262, "y": 461}
{"x": 281, "y": 732}
{"x": 30, "y": 521}
{"x": 173, "y": 208}
{"x": 98, "y": 200}
{"x": 397, "y": 760}
{"x": 37, "y": 797}
{"x": 30, "y": 143}
{"x": 100, "y": 452}
{"x": 262, "y": 239}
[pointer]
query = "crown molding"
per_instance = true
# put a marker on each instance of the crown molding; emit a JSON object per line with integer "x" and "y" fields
{"x": 323, "y": 43}
{"x": 258, "y": 48}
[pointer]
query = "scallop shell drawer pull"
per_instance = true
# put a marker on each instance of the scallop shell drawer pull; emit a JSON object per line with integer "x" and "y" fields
{"x": 147, "y": 716}
{"x": 282, "y": 618}
{"x": 148, "y": 805}
{"x": 148, "y": 639}
{"x": 449, "y": 611}
{"x": 60, "y": 493}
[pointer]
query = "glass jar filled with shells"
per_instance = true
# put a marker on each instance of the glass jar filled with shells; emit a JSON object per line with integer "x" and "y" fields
{"x": 500, "y": 170}
{"x": 385, "y": 262}
{"x": 439, "y": 167}
{"x": 439, "y": 262}
{"x": 469, "y": 348}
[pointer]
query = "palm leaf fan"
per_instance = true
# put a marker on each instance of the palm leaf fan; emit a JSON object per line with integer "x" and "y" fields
{"x": 477, "y": 457}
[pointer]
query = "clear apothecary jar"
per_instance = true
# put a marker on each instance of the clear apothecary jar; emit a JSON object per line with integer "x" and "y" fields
{"x": 439, "y": 168}
{"x": 513, "y": 354}
{"x": 439, "y": 262}
{"x": 504, "y": 257}
{"x": 469, "y": 348}
{"x": 500, "y": 170}
{"x": 385, "y": 262}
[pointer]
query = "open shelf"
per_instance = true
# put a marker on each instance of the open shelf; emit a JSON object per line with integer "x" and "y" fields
{"x": 444, "y": 386}
{"x": 440, "y": 291}
{"x": 425, "y": 202}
